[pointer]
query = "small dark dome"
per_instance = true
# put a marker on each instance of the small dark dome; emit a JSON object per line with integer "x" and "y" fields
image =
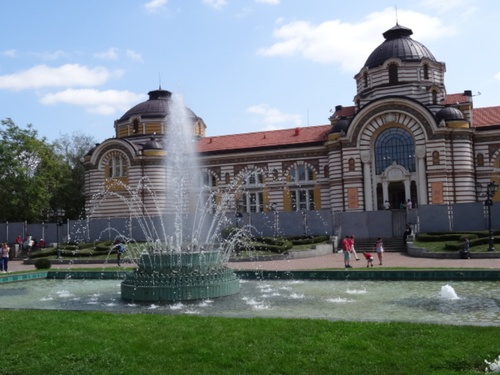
{"x": 340, "y": 126}
{"x": 152, "y": 144}
{"x": 449, "y": 114}
{"x": 398, "y": 44}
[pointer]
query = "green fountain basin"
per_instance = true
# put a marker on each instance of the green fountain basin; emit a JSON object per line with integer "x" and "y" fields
{"x": 179, "y": 277}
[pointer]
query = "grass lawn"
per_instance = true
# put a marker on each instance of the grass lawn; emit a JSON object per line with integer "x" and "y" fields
{"x": 66, "y": 342}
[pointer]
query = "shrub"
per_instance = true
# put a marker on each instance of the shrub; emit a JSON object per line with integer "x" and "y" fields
{"x": 42, "y": 264}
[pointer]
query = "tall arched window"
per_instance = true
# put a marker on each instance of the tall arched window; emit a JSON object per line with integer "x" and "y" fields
{"x": 302, "y": 192}
{"x": 426, "y": 71}
{"x": 393, "y": 73}
{"x": 394, "y": 145}
{"x": 365, "y": 80}
{"x": 351, "y": 165}
{"x": 435, "y": 158}
{"x": 252, "y": 199}
{"x": 480, "y": 160}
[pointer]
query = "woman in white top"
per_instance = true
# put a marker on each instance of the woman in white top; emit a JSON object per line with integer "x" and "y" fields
{"x": 4, "y": 260}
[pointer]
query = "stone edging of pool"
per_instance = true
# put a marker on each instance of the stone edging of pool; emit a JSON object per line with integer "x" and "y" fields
{"x": 406, "y": 275}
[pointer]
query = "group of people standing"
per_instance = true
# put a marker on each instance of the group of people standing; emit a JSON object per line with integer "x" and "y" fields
{"x": 348, "y": 249}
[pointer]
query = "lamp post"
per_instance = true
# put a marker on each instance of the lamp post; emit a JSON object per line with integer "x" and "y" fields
{"x": 491, "y": 189}
{"x": 59, "y": 215}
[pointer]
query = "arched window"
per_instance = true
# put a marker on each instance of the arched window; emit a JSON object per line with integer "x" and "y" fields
{"x": 365, "y": 80}
{"x": 209, "y": 180}
{"x": 117, "y": 166}
{"x": 326, "y": 171}
{"x": 436, "y": 158}
{"x": 136, "y": 126}
{"x": 302, "y": 194}
{"x": 426, "y": 71}
{"x": 227, "y": 178}
{"x": 434, "y": 97}
{"x": 351, "y": 165}
{"x": 252, "y": 199}
{"x": 480, "y": 160}
{"x": 393, "y": 74}
{"x": 301, "y": 173}
{"x": 394, "y": 145}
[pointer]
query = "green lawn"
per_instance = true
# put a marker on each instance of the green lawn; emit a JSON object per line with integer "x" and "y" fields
{"x": 62, "y": 342}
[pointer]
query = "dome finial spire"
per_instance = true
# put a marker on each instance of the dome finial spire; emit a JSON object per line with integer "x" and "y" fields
{"x": 396, "y": 9}
{"x": 159, "y": 81}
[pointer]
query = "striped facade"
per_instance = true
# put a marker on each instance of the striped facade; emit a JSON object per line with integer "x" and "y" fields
{"x": 404, "y": 139}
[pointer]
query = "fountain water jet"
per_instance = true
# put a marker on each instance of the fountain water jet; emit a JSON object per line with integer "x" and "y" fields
{"x": 184, "y": 257}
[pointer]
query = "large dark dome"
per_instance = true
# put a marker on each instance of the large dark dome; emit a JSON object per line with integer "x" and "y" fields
{"x": 398, "y": 44}
{"x": 156, "y": 106}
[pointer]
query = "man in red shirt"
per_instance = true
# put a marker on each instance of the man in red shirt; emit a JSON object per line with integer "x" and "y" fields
{"x": 346, "y": 250}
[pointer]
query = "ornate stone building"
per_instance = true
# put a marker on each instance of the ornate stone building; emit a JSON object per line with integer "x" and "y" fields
{"x": 404, "y": 139}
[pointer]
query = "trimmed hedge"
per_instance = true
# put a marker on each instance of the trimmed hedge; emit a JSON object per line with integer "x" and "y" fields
{"x": 42, "y": 264}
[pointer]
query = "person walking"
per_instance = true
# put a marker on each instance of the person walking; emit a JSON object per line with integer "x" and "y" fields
{"x": 19, "y": 245}
{"x": 4, "y": 260}
{"x": 120, "y": 249}
{"x": 346, "y": 251}
{"x": 379, "y": 248}
{"x": 369, "y": 259}
{"x": 353, "y": 250}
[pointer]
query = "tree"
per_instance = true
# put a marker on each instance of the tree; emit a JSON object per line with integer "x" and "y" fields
{"x": 72, "y": 148}
{"x": 30, "y": 173}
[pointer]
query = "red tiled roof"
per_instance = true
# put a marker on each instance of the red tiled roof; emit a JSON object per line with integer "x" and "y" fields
{"x": 455, "y": 98}
{"x": 486, "y": 116}
{"x": 274, "y": 138}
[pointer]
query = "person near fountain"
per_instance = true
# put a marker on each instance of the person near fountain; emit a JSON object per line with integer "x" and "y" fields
{"x": 120, "y": 249}
{"x": 28, "y": 244}
{"x": 353, "y": 250}
{"x": 19, "y": 245}
{"x": 465, "y": 252}
{"x": 369, "y": 259}
{"x": 379, "y": 248}
{"x": 4, "y": 260}
{"x": 346, "y": 250}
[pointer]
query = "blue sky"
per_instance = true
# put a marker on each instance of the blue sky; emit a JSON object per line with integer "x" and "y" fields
{"x": 243, "y": 66}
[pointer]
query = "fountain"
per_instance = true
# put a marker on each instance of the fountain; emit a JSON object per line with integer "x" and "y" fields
{"x": 184, "y": 257}
{"x": 447, "y": 292}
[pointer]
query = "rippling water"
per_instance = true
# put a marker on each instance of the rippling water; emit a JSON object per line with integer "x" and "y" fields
{"x": 414, "y": 301}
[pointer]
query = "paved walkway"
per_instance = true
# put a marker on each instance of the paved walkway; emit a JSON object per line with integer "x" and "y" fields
{"x": 321, "y": 262}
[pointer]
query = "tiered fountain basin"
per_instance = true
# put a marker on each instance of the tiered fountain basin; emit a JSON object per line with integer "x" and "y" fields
{"x": 179, "y": 277}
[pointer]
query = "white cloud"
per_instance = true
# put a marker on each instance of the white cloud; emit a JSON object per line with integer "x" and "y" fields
{"x": 497, "y": 76}
{"x": 273, "y": 118}
{"x": 347, "y": 43}
{"x": 272, "y": 2}
{"x": 133, "y": 55}
{"x": 105, "y": 102}
{"x": 68, "y": 75}
{"x": 9, "y": 53}
{"x": 216, "y": 4}
{"x": 155, "y": 5}
{"x": 110, "y": 54}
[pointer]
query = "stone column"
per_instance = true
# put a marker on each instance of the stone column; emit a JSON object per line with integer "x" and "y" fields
{"x": 421, "y": 173}
{"x": 366, "y": 160}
